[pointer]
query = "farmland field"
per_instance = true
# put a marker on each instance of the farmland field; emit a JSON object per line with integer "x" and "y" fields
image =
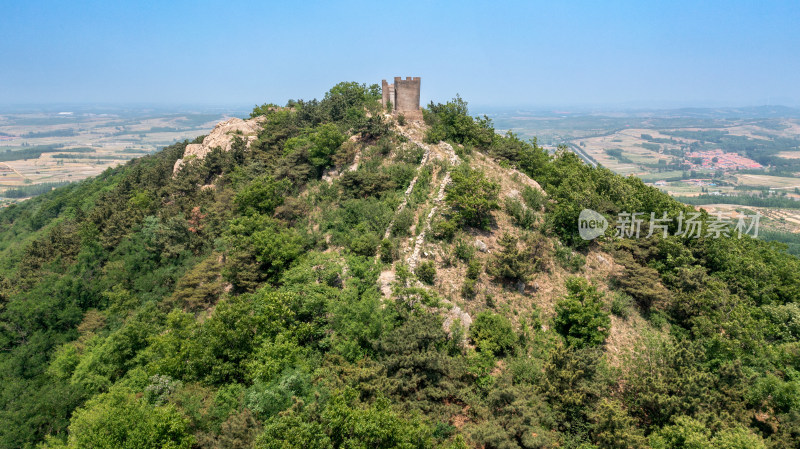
{"x": 56, "y": 147}
{"x": 748, "y": 155}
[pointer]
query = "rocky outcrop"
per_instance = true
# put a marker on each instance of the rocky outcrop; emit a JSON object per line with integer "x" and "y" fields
{"x": 222, "y": 136}
{"x": 455, "y": 314}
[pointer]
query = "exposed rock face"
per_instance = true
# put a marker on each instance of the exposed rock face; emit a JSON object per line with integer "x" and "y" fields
{"x": 222, "y": 136}
{"x": 456, "y": 314}
{"x": 385, "y": 281}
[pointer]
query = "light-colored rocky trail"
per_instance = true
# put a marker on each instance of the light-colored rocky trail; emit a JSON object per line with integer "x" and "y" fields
{"x": 404, "y": 203}
{"x": 447, "y": 151}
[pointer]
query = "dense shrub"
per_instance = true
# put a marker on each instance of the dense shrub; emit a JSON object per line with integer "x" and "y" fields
{"x": 492, "y": 332}
{"x": 569, "y": 259}
{"x": 469, "y": 289}
{"x": 402, "y": 222}
{"x": 365, "y": 183}
{"x": 464, "y": 250}
{"x": 518, "y": 258}
{"x": 444, "y": 229}
{"x": 641, "y": 282}
{"x": 474, "y": 269}
{"x": 262, "y": 196}
{"x": 533, "y": 198}
{"x": 472, "y": 196}
{"x": 451, "y": 122}
{"x": 387, "y": 251}
{"x": 621, "y": 305}
{"x": 580, "y": 318}
{"x": 523, "y": 216}
{"x": 120, "y": 420}
{"x": 426, "y": 272}
{"x": 364, "y": 243}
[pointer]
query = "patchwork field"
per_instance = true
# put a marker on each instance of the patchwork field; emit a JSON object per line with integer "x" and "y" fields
{"x": 774, "y": 182}
{"x": 786, "y": 220}
{"x": 747, "y": 157}
{"x": 41, "y": 148}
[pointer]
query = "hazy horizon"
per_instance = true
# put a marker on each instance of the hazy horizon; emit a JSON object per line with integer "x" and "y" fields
{"x": 242, "y": 108}
{"x": 540, "y": 54}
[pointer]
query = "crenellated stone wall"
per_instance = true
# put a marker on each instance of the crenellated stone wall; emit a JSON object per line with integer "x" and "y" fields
{"x": 403, "y": 95}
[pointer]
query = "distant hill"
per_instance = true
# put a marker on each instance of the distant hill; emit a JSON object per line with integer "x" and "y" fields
{"x": 749, "y": 112}
{"x": 753, "y": 112}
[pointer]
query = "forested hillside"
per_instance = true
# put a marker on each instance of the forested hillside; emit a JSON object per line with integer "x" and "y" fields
{"x": 349, "y": 279}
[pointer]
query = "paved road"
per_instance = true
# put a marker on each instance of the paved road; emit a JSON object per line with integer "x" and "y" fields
{"x": 581, "y": 154}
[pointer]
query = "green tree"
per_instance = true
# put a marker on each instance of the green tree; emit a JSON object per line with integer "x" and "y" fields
{"x": 262, "y": 248}
{"x": 580, "y": 317}
{"x": 492, "y": 332}
{"x": 472, "y": 196}
{"x": 294, "y": 429}
{"x": 517, "y": 260}
{"x": 347, "y": 101}
{"x": 426, "y": 272}
{"x": 686, "y": 433}
{"x": 201, "y": 286}
{"x": 514, "y": 416}
{"x": 451, "y": 122}
{"x": 344, "y": 422}
{"x": 326, "y": 140}
{"x": 262, "y": 196}
{"x": 118, "y": 420}
{"x": 573, "y": 381}
{"x": 613, "y": 428}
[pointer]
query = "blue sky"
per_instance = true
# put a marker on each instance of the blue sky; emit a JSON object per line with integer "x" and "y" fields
{"x": 533, "y": 54}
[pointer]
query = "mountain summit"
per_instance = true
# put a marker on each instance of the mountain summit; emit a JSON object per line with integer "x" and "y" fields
{"x": 349, "y": 272}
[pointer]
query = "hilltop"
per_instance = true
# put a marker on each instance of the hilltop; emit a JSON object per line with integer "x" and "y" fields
{"x": 331, "y": 274}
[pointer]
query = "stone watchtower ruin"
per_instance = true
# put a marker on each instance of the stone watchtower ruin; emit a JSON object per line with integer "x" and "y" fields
{"x": 403, "y": 96}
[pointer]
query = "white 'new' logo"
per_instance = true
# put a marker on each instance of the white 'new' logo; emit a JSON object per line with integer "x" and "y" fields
{"x": 591, "y": 224}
